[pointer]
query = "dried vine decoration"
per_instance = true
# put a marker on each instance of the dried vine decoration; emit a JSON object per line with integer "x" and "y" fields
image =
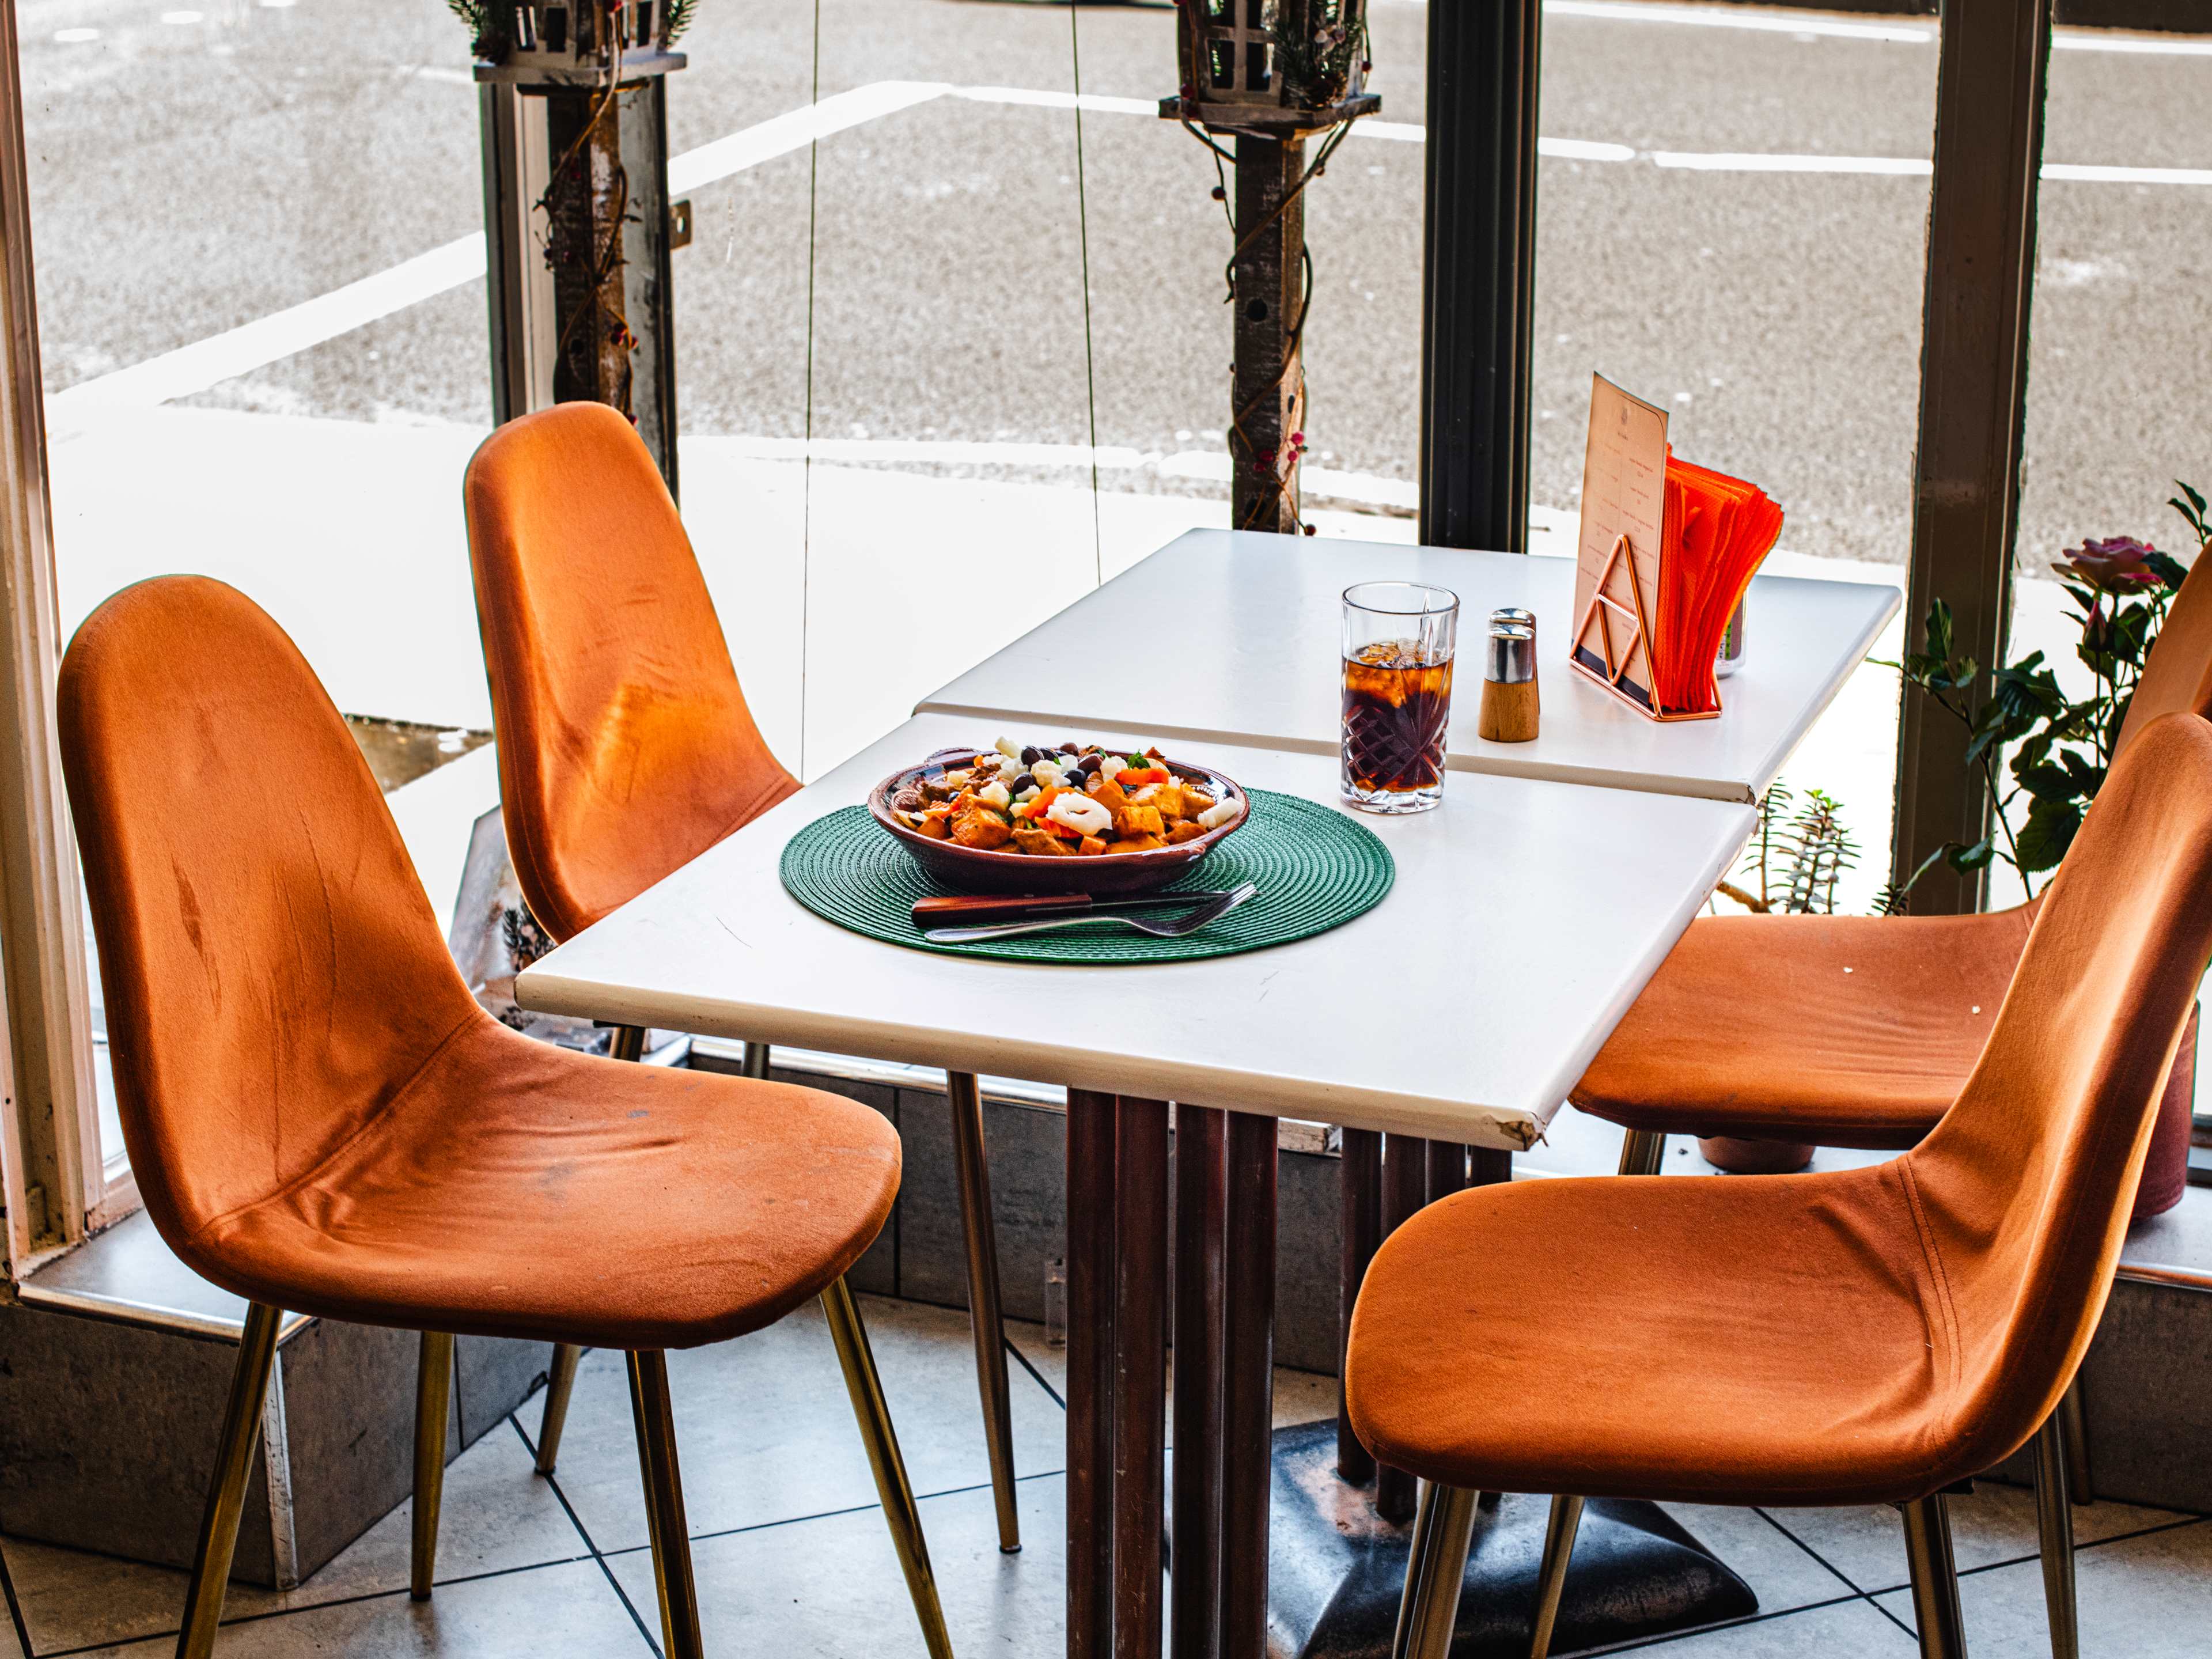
{"x": 1284, "y": 70}
{"x": 1274, "y": 465}
{"x": 586, "y": 211}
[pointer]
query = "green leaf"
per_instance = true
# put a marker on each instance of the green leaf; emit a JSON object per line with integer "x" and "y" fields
{"x": 2168, "y": 569}
{"x": 2194, "y": 499}
{"x": 1939, "y": 631}
{"x": 2049, "y": 831}
{"x": 2088, "y": 777}
{"x": 1965, "y": 859}
{"x": 2047, "y": 782}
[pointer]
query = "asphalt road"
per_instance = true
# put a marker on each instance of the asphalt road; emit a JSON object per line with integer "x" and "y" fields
{"x": 194, "y": 174}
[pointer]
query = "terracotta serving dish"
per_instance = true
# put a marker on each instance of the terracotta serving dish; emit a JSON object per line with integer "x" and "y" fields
{"x": 1118, "y": 875}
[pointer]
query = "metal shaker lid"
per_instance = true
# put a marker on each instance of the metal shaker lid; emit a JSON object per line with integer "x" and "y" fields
{"x": 1510, "y": 655}
{"x": 1516, "y": 615}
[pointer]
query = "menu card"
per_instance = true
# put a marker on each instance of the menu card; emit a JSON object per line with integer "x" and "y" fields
{"x": 1624, "y": 493}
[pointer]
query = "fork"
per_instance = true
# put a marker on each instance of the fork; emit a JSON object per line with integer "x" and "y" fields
{"x": 1189, "y": 922}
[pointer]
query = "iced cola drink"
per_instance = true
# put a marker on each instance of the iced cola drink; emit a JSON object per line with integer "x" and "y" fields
{"x": 1399, "y": 640}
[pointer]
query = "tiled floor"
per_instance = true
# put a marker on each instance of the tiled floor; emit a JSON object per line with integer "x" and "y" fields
{"x": 792, "y": 1558}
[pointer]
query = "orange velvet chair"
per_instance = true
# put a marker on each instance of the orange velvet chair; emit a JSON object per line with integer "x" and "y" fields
{"x": 1869, "y": 1335}
{"x": 1809, "y": 1052}
{"x": 626, "y": 750}
{"x": 321, "y": 1118}
{"x": 1857, "y": 1030}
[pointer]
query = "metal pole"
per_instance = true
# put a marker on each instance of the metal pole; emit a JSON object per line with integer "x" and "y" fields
{"x": 1973, "y": 385}
{"x": 1479, "y": 274}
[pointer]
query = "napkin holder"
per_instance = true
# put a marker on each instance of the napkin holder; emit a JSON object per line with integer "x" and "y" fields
{"x": 1608, "y": 668}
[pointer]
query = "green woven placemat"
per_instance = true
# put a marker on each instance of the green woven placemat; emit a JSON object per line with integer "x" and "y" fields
{"x": 1316, "y": 869}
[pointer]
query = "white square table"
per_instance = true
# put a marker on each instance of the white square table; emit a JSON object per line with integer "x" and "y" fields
{"x": 1525, "y": 917}
{"x": 1233, "y": 636}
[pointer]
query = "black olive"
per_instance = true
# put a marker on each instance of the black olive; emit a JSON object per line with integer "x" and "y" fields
{"x": 1031, "y": 756}
{"x": 1092, "y": 762}
{"x": 1025, "y": 782}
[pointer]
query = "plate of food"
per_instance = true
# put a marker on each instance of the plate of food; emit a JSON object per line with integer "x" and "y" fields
{"x": 1059, "y": 819}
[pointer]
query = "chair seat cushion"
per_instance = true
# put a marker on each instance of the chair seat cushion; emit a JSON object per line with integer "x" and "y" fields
{"x": 1837, "y": 1031}
{"x": 513, "y": 1188}
{"x": 1746, "y": 1340}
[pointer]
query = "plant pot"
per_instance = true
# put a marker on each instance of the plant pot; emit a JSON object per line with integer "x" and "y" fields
{"x": 1759, "y": 1157}
{"x": 2165, "y": 1167}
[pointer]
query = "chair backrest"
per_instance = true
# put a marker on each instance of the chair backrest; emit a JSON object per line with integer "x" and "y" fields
{"x": 625, "y": 746}
{"x": 273, "y": 972}
{"x": 2021, "y": 1194}
{"x": 2178, "y": 674}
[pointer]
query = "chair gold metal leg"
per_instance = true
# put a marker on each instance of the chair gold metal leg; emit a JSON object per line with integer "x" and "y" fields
{"x": 2054, "y": 1527}
{"x": 1552, "y": 1577}
{"x": 2079, "y": 1487}
{"x": 1935, "y": 1578}
{"x": 904, "y": 1519}
{"x": 757, "y": 1054}
{"x": 234, "y": 1461}
{"x": 981, "y": 1236}
{"x": 1643, "y": 1152}
{"x": 664, "y": 1505}
{"x": 559, "y": 1383}
{"x": 1444, "y": 1530}
{"x": 433, "y": 1405}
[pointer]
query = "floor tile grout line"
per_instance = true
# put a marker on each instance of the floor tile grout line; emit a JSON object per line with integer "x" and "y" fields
{"x": 1864, "y": 1593}
{"x": 2079, "y": 1544}
{"x": 832, "y": 1514}
{"x": 1842, "y": 1576}
{"x": 1038, "y": 1376}
{"x": 271, "y": 1613}
{"x": 1634, "y": 1644}
{"x": 14, "y": 1608}
{"x": 576, "y": 1521}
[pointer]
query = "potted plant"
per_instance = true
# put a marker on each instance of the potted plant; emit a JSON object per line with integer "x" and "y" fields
{"x": 2055, "y": 748}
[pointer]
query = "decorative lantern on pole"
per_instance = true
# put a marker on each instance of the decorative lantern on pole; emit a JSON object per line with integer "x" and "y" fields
{"x": 1269, "y": 74}
{"x": 578, "y": 223}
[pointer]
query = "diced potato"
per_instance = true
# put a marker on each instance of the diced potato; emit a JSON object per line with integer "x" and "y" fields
{"x": 1139, "y": 821}
{"x": 1140, "y": 843}
{"x": 1089, "y": 846}
{"x": 1194, "y": 800}
{"x": 936, "y": 826}
{"x": 1169, "y": 800}
{"x": 1110, "y": 796}
{"x": 980, "y": 826}
{"x": 1039, "y": 843}
{"x": 1181, "y": 830}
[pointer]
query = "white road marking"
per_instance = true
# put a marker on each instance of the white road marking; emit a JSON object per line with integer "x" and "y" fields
{"x": 1815, "y": 27}
{"x": 2149, "y": 45}
{"x": 241, "y": 350}
{"x": 2101, "y": 175}
{"x": 1730, "y": 161}
{"x": 195, "y": 367}
{"x": 1728, "y": 17}
{"x": 781, "y": 134}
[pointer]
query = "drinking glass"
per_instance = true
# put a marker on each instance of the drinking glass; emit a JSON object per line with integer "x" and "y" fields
{"x": 1399, "y": 641}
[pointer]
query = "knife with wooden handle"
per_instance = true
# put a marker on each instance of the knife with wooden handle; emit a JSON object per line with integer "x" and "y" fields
{"x": 946, "y": 912}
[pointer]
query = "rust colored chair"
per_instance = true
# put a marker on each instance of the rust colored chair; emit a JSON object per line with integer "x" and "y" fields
{"x": 322, "y": 1119}
{"x": 1868, "y": 1335}
{"x": 1858, "y": 1032}
{"x": 626, "y": 750}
